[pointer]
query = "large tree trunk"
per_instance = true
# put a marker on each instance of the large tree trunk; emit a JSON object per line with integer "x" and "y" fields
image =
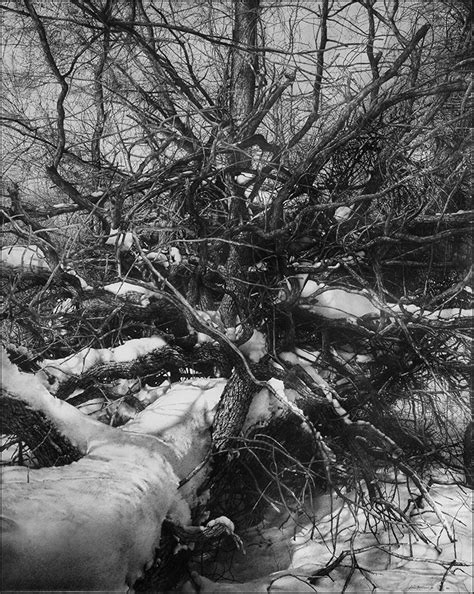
{"x": 244, "y": 65}
{"x": 244, "y": 61}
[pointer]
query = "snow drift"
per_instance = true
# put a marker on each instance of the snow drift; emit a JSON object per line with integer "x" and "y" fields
{"x": 95, "y": 524}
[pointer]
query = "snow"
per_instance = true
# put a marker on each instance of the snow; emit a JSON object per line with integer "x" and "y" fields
{"x": 122, "y": 289}
{"x": 262, "y": 266}
{"x": 122, "y": 241}
{"x": 243, "y": 179}
{"x": 85, "y": 286}
{"x": 86, "y": 358}
{"x": 263, "y": 197}
{"x": 92, "y": 407}
{"x": 335, "y": 303}
{"x": 351, "y": 357}
{"x": 187, "y": 403}
{"x": 284, "y": 550}
{"x": 211, "y": 318}
{"x": 158, "y": 257}
{"x": 175, "y": 256}
{"x": 30, "y": 258}
{"x": 136, "y": 347}
{"x": 148, "y": 394}
{"x": 181, "y": 418}
{"x": 265, "y": 405}
{"x": 343, "y": 213}
{"x": 255, "y": 347}
{"x": 166, "y": 257}
{"x": 310, "y": 361}
{"x": 116, "y": 407}
{"x": 95, "y": 524}
{"x": 450, "y": 314}
{"x": 309, "y": 288}
{"x": 223, "y": 521}
{"x": 340, "y": 304}
{"x": 91, "y": 525}
{"x": 439, "y": 314}
{"x": 386, "y": 571}
{"x": 68, "y": 419}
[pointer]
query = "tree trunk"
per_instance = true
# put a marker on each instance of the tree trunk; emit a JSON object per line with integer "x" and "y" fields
{"x": 232, "y": 410}
{"x": 244, "y": 63}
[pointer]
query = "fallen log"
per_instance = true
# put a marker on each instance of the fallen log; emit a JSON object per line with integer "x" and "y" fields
{"x": 95, "y": 524}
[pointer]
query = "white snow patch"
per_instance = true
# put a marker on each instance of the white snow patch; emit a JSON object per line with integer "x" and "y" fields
{"x": 95, "y": 524}
{"x": 308, "y": 357}
{"x": 255, "y": 347}
{"x": 191, "y": 401}
{"x": 222, "y": 521}
{"x": 122, "y": 387}
{"x": 265, "y": 405}
{"x": 148, "y": 394}
{"x": 211, "y": 318}
{"x": 351, "y": 357}
{"x": 82, "y": 361}
{"x": 92, "y": 407}
{"x": 181, "y": 418}
{"x": 122, "y": 241}
{"x": 285, "y": 554}
{"x": 259, "y": 266}
{"x": 30, "y": 258}
{"x": 136, "y": 347}
{"x": 341, "y": 303}
{"x": 175, "y": 256}
{"x": 85, "y": 286}
{"x": 244, "y": 178}
{"x": 343, "y": 213}
{"x": 411, "y": 572}
{"x": 336, "y": 303}
{"x": 438, "y": 314}
{"x": 68, "y": 419}
{"x": 309, "y": 287}
{"x": 122, "y": 289}
{"x": 309, "y": 360}
{"x": 90, "y": 525}
{"x": 263, "y": 198}
{"x": 158, "y": 257}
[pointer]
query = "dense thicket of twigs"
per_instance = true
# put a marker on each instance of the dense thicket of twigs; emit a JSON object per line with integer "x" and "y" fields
{"x": 155, "y": 151}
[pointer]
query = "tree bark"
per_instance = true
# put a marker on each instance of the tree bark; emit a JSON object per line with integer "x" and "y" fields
{"x": 232, "y": 410}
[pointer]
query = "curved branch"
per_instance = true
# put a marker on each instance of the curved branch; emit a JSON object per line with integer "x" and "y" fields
{"x": 61, "y": 142}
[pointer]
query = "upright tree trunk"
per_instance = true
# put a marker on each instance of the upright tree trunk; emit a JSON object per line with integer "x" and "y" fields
{"x": 244, "y": 65}
{"x": 244, "y": 60}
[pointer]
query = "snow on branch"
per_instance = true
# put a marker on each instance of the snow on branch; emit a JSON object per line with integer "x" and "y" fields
{"x": 99, "y": 519}
{"x": 29, "y": 258}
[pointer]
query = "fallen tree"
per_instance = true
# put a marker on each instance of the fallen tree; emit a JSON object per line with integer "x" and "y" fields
{"x": 305, "y": 431}
{"x": 208, "y": 200}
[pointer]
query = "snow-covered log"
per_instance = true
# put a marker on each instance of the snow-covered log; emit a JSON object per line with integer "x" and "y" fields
{"x": 21, "y": 257}
{"x": 95, "y": 524}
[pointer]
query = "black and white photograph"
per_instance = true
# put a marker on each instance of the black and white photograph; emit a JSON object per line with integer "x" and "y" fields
{"x": 236, "y": 296}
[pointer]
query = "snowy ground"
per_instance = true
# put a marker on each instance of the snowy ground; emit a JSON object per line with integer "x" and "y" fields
{"x": 281, "y": 554}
